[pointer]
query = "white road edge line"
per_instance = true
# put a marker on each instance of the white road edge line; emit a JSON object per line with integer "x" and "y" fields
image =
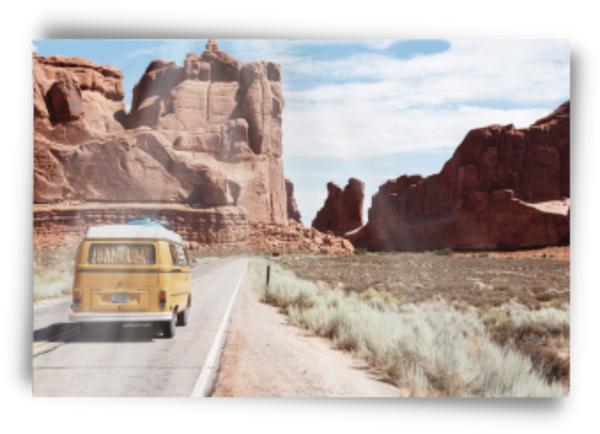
{"x": 209, "y": 363}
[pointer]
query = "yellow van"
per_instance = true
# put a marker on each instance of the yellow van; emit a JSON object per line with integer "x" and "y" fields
{"x": 132, "y": 273}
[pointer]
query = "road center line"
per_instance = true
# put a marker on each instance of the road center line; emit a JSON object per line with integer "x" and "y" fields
{"x": 54, "y": 338}
{"x": 209, "y": 364}
{"x": 39, "y": 349}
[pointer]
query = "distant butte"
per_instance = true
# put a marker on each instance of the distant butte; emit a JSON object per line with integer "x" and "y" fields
{"x": 503, "y": 189}
{"x": 342, "y": 211}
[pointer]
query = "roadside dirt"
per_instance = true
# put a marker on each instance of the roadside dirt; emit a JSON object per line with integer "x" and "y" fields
{"x": 463, "y": 280}
{"x": 264, "y": 357}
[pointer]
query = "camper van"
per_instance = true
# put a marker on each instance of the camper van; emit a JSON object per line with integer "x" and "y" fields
{"x": 138, "y": 272}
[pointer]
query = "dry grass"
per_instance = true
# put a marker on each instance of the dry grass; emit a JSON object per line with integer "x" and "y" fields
{"x": 197, "y": 261}
{"x": 53, "y": 272}
{"x": 481, "y": 282}
{"x": 433, "y": 349}
{"x": 540, "y": 335}
{"x": 49, "y": 283}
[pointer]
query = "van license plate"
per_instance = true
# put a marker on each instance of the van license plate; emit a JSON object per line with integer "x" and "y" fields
{"x": 120, "y": 298}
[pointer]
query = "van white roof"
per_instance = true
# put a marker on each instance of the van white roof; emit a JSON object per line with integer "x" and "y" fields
{"x": 133, "y": 231}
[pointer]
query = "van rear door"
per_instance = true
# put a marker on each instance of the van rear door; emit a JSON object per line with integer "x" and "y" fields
{"x": 120, "y": 276}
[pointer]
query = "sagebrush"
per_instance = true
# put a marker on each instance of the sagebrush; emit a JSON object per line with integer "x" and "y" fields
{"x": 48, "y": 282}
{"x": 433, "y": 349}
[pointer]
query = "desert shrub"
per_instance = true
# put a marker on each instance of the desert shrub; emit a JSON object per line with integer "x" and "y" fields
{"x": 482, "y": 286}
{"x": 507, "y": 373}
{"x": 369, "y": 294}
{"x": 529, "y": 332}
{"x": 360, "y": 251}
{"x": 443, "y": 252}
{"x": 433, "y": 348}
{"x": 493, "y": 302}
{"x": 204, "y": 260}
{"x": 546, "y": 361}
{"x": 484, "y": 255}
{"x": 531, "y": 340}
{"x": 410, "y": 375}
{"x": 390, "y": 298}
{"x": 49, "y": 282}
{"x": 544, "y": 297}
{"x": 495, "y": 318}
{"x": 548, "y": 317}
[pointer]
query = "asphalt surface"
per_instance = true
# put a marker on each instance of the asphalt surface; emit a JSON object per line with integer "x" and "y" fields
{"x": 135, "y": 360}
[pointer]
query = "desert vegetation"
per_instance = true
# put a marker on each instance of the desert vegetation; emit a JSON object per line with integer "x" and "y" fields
{"x": 421, "y": 337}
{"x": 477, "y": 281}
{"x": 196, "y": 261}
{"x": 52, "y": 272}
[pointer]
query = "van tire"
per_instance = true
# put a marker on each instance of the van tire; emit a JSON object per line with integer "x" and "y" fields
{"x": 183, "y": 317}
{"x": 168, "y": 327}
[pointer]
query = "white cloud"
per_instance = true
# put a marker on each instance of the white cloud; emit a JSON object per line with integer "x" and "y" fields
{"x": 372, "y": 105}
{"x": 423, "y": 103}
{"x": 162, "y": 48}
{"x": 363, "y": 130}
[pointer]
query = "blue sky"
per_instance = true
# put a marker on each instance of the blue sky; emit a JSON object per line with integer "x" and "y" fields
{"x": 373, "y": 109}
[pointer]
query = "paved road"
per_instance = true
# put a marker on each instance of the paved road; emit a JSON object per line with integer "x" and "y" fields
{"x": 135, "y": 360}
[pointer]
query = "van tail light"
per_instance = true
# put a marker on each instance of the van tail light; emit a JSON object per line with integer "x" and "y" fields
{"x": 77, "y": 299}
{"x": 162, "y": 298}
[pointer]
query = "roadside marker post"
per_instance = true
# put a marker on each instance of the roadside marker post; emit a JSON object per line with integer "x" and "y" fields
{"x": 268, "y": 273}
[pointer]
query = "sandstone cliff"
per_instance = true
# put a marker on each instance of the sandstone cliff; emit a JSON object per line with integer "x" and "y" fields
{"x": 343, "y": 209}
{"x": 205, "y": 138}
{"x": 504, "y": 188}
{"x": 292, "y": 207}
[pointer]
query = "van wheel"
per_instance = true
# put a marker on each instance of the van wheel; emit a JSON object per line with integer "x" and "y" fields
{"x": 168, "y": 327}
{"x": 183, "y": 317}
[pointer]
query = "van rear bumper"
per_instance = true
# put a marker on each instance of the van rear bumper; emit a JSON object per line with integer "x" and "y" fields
{"x": 121, "y": 317}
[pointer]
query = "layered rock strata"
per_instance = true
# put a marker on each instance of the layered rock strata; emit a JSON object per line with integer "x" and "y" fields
{"x": 65, "y": 224}
{"x": 503, "y": 189}
{"x": 342, "y": 211}
{"x": 206, "y": 135}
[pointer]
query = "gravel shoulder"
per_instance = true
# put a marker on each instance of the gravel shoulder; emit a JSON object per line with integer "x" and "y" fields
{"x": 265, "y": 357}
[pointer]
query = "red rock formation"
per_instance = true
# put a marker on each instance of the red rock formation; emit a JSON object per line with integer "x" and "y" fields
{"x": 76, "y": 100}
{"x": 226, "y": 112}
{"x": 296, "y": 238}
{"x": 504, "y": 188}
{"x": 343, "y": 209}
{"x": 292, "y": 207}
{"x": 204, "y": 135}
{"x": 65, "y": 224}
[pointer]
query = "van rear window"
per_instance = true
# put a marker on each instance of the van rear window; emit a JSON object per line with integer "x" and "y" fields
{"x": 122, "y": 254}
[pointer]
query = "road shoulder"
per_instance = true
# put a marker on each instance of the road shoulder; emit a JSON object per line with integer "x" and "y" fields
{"x": 265, "y": 357}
